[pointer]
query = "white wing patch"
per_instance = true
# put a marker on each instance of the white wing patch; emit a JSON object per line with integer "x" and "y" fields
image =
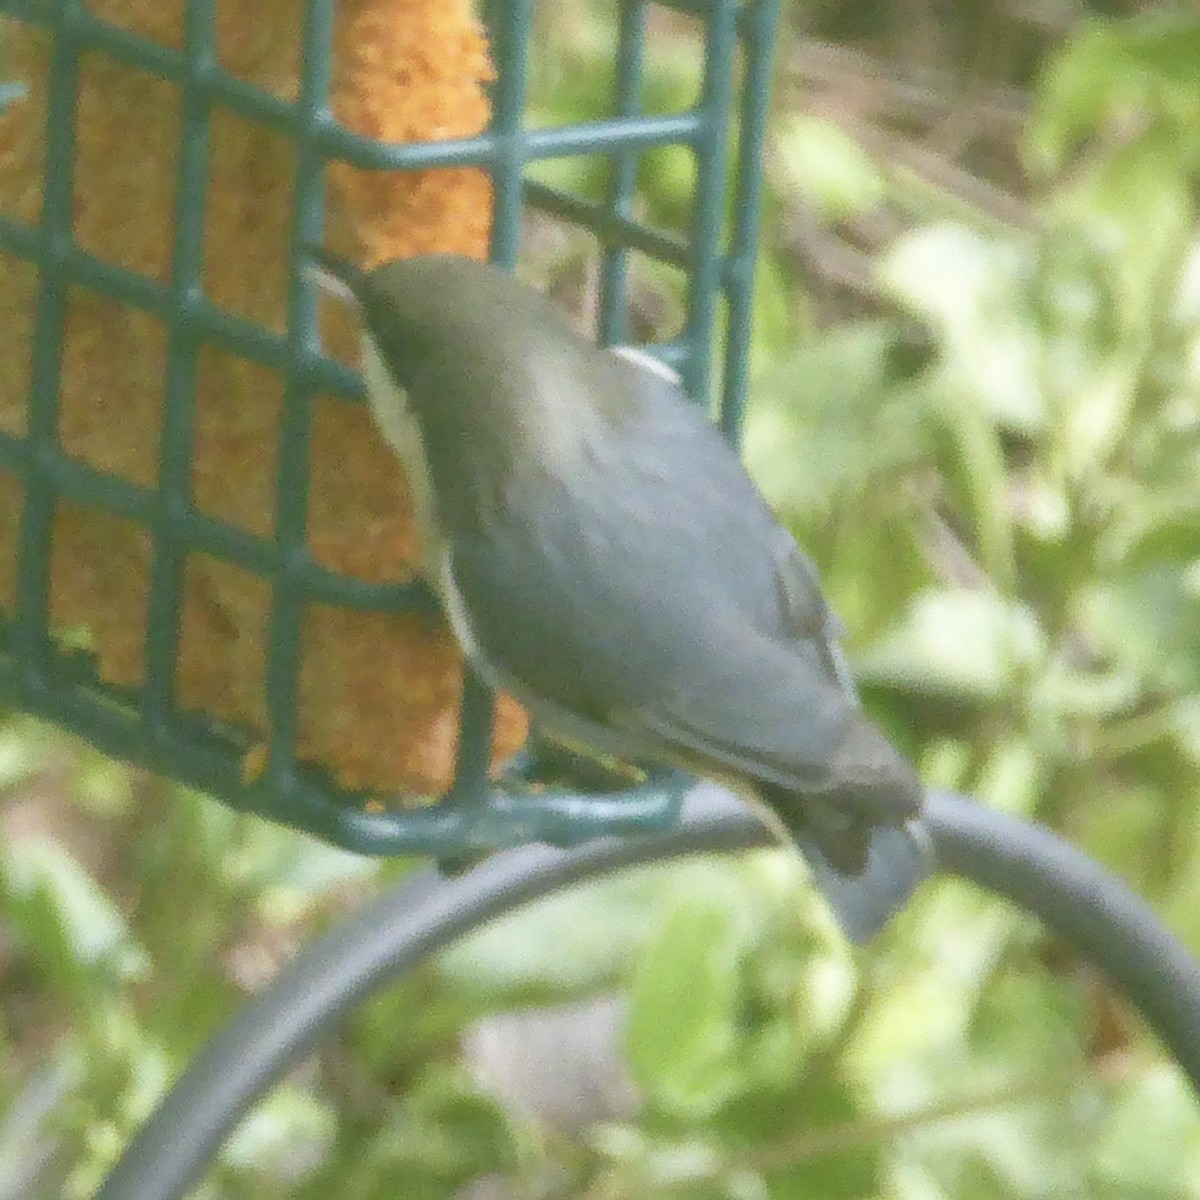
{"x": 647, "y": 362}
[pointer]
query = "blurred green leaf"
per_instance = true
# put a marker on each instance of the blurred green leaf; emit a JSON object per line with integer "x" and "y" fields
{"x": 1147, "y": 621}
{"x": 24, "y": 748}
{"x": 65, "y": 916}
{"x": 1119, "y": 74}
{"x": 682, "y": 1041}
{"x": 284, "y": 1137}
{"x": 1011, "y": 778}
{"x": 1123, "y": 832}
{"x": 775, "y": 322}
{"x": 958, "y": 642}
{"x": 1126, "y": 1158}
{"x": 817, "y": 160}
{"x": 520, "y": 958}
{"x": 970, "y": 288}
{"x": 102, "y": 784}
{"x": 445, "y": 1128}
{"x": 828, "y": 421}
{"x": 803, "y": 1166}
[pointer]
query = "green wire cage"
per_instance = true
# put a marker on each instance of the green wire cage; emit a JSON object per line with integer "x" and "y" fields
{"x": 146, "y": 725}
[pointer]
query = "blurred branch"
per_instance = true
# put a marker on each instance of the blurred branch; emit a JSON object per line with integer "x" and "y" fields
{"x": 847, "y": 1136}
{"x": 898, "y": 93}
{"x": 915, "y": 122}
{"x": 943, "y": 173}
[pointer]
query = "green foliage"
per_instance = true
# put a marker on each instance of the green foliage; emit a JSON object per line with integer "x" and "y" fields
{"x": 827, "y": 168}
{"x": 685, "y": 1046}
{"x": 995, "y": 459}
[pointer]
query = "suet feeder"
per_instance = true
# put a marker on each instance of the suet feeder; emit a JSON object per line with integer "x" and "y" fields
{"x": 207, "y": 561}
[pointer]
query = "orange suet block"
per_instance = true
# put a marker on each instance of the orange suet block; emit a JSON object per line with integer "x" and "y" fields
{"x": 378, "y": 693}
{"x": 412, "y": 71}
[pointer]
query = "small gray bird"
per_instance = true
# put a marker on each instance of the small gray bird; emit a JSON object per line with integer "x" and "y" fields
{"x": 603, "y": 555}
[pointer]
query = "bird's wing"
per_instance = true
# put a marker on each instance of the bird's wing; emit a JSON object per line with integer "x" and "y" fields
{"x": 771, "y": 714}
{"x": 804, "y": 611}
{"x": 547, "y": 620}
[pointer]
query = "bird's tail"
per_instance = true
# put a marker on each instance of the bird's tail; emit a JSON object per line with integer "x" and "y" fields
{"x": 899, "y": 857}
{"x": 866, "y": 846}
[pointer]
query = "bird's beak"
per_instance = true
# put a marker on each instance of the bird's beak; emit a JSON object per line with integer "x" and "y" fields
{"x": 336, "y": 275}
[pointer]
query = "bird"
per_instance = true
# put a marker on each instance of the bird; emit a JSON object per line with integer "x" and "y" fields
{"x": 603, "y": 555}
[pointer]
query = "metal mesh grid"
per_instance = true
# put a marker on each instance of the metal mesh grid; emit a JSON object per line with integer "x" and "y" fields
{"x": 145, "y": 725}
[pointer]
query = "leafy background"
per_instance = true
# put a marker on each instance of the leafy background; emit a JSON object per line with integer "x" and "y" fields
{"x": 977, "y": 401}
